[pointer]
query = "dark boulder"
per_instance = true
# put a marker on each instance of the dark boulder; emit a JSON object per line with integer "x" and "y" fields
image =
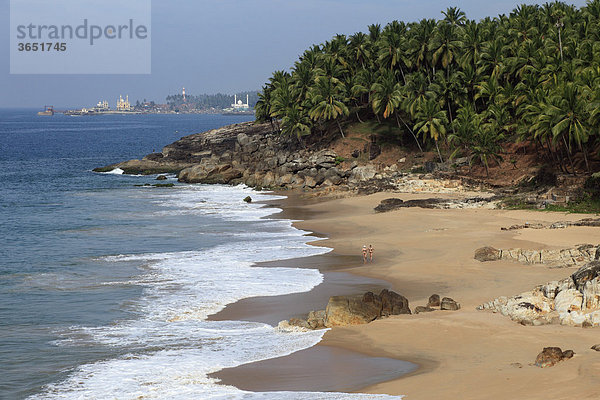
{"x": 374, "y": 151}
{"x": 389, "y": 205}
{"x": 344, "y": 310}
{"x": 354, "y": 310}
{"x": 434, "y": 300}
{"x": 449, "y": 304}
{"x": 393, "y": 303}
{"x": 487, "y": 254}
{"x": 551, "y": 356}
{"x": 421, "y": 309}
{"x": 585, "y": 274}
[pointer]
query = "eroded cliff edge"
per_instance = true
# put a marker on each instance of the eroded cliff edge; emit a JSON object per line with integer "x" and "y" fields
{"x": 254, "y": 154}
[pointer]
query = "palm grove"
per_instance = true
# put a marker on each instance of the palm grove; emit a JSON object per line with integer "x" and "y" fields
{"x": 455, "y": 85}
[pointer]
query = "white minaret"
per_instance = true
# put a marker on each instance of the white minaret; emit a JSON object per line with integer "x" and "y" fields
{"x": 183, "y": 92}
{"x": 247, "y": 104}
{"x": 235, "y": 99}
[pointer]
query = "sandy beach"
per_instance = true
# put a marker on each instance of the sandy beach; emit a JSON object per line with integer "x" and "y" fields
{"x": 467, "y": 354}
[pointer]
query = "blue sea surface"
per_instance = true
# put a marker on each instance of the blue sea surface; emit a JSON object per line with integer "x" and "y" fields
{"x": 105, "y": 286}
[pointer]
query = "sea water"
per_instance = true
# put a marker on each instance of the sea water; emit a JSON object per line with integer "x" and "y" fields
{"x": 105, "y": 285}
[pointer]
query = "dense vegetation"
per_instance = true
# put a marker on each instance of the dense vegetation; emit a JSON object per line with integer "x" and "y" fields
{"x": 205, "y": 101}
{"x": 463, "y": 86}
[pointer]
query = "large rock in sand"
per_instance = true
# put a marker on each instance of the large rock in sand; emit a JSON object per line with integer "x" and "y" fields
{"x": 355, "y": 310}
{"x": 449, "y": 304}
{"x": 393, "y": 303}
{"x": 551, "y": 356}
{"x": 344, "y": 310}
{"x": 487, "y": 254}
{"x": 586, "y": 273}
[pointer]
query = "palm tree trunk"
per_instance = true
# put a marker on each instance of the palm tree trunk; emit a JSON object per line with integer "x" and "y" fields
{"x": 450, "y": 114}
{"x": 569, "y": 155}
{"x": 587, "y": 165}
{"x": 340, "y": 127}
{"x": 358, "y": 116}
{"x": 272, "y": 127}
{"x": 403, "y": 77}
{"x": 438, "y": 150}
{"x": 553, "y": 158}
{"x": 410, "y": 130}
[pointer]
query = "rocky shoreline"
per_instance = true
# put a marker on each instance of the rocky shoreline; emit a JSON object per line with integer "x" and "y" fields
{"x": 251, "y": 153}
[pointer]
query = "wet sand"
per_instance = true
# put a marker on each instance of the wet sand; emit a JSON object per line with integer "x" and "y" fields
{"x": 322, "y": 368}
{"x": 467, "y": 354}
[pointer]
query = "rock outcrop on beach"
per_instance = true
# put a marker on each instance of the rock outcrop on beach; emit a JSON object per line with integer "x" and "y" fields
{"x": 354, "y": 310}
{"x": 358, "y": 310}
{"x": 592, "y": 222}
{"x": 574, "y": 301}
{"x": 473, "y": 202}
{"x": 577, "y": 256}
{"x": 551, "y": 356}
{"x": 346, "y": 310}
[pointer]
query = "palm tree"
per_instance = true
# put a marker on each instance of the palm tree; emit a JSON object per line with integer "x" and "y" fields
{"x": 326, "y": 101}
{"x": 431, "y": 121}
{"x": 531, "y": 75}
{"x": 392, "y": 48}
{"x": 386, "y": 98}
{"x": 360, "y": 50}
{"x": 454, "y": 16}
{"x": 296, "y": 122}
{"x": 569, "y": 115}
{"x": 418, "y": 53}
{"x": 444, "y": 45}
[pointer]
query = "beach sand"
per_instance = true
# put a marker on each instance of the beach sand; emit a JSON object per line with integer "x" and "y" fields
{"x": 466, "y": 354}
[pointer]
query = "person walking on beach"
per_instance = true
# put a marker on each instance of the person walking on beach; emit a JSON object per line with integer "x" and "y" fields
{"x": 371, "y": 253}
{"x": 364, "y": 250}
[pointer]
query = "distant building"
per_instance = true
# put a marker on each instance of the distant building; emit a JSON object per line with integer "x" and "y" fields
{"x": 123, "y": 105}
{"x": 102, "y": 106}
{"x": 238, "y": 105}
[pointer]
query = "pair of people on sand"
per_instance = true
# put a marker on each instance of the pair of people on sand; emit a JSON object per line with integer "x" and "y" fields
{"x": 367, "y": 251}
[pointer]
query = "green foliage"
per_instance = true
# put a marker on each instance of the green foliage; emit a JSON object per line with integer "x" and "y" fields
{"x": 592, "y": 186}
{"x": 583, "y": 205}
{"x": 339, "y": 160}
{"x": 464, "y": 85}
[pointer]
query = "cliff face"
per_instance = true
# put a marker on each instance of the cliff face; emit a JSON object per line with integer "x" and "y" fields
{"x": 247, "y": 153}
{"x": 252, "y": 154}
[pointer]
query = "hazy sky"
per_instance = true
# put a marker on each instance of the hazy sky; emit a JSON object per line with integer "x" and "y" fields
{"x": 222, "y": 45}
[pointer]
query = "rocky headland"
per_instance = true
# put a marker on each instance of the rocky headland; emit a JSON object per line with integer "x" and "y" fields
{"x": 251, "y": 153}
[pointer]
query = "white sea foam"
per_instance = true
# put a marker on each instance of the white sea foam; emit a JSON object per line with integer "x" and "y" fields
{"x": 116, "y": 171}
{"x": 171, "y": 346}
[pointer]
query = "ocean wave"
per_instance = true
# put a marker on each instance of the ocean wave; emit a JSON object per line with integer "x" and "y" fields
{"x": 171, "y": 347}
{"x": 116, "y": 171}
